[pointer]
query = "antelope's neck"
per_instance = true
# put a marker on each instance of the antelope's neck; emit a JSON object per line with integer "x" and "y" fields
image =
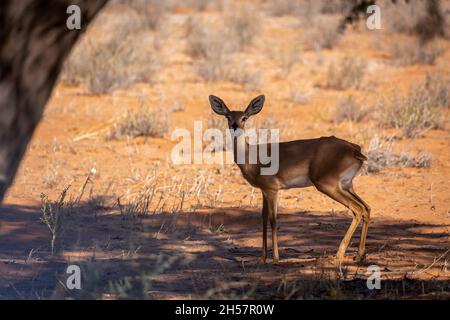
{"x": 241, "y": 156}
{"x": 241, "y": 148}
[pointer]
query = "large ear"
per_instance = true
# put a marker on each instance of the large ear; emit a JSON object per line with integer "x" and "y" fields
{"x": 218, "y": 106}
{"x": 255, "y": 106}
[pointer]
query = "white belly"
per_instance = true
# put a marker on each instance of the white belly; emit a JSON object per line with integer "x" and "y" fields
{"x": 297, "y": 182}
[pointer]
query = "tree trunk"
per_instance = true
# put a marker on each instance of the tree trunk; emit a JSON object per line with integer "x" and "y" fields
{"x": 34, "y": 41}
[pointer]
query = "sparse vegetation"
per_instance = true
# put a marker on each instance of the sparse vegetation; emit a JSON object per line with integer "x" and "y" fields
{"x": 249, "y": 78}
{"x": 144, "y": 122}
{"x": 304, "y": 8}
{"x": 242, "y": 23}
{"x": 420, "y": 110}
{"x": 301, "y": 95}
{"x": 280, "y": 8}
{"x": 424, "y": 19}
{"x": 53, "y": 215}
{"x": 210, "y": 51}
{"x": 137, "y": 207}
{"x": 118, "y": 61}
{"x": 135, "y": 285}
{"x": 151, "y": 12}
{"x": 206, "y": 216}
{"x": 414, "y": 52}
{"x": 213, "y": 47}
{"x": 348, "y": 73}
{"x": 381, "y": 155}
{"x": 202, "y": 5}
{"x": 322, "y": 32}
{"x": 349, "y": 109}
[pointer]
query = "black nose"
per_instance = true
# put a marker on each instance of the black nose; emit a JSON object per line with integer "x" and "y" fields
{"x": 234, "y": 126}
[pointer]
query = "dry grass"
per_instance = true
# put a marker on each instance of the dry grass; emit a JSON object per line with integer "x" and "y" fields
{"x": 321, "y": 32}
{"x": 116, "y": 61}
{"x": 301, "y": 95}
{"x": 380, "y": 155}
{"x": 199, "y": 5}
{"x": 53, "y": 215}
{"x": 206, "y": 46}
{"x": 245, "y": 75}
{"x": 348, "y": 73}
{"x": 414, "y": 18}
{"x": 144, "y": 122}
{"x": 242, "y": 23}
{"x": 304, "y": 8}
{"x": 278, "y": 8}
{"x": 414, "y": 52}
{"x": 402, "y": 17}
{"x": 417, "y": 112}
{"x": 349, "y": 109}
{"x": 215, "y": 121}
{"x": 214, "y": 58}
{"x": 151, "y": 12}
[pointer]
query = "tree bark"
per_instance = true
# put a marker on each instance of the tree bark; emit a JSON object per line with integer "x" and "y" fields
{"x": 34, "y": 41}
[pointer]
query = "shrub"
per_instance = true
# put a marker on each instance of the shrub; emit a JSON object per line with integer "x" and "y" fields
{"x": 207, "y": 46}
{"x": 117, "y": 61}
{"x": 246, "y": 76}
{"x": 349, "y": 109}
{"x": 322, "y": 32}
{"x": 349, "y": 73}
{"x": 212, "y": 46}
{"x": 53, "y": 213}
{"x": 420, "y": 110}
{"x": 201, "y": 5}
{"x": 279, "y": 8}
{"x": 151, "y": 12}
{"x": 301, "y": 95}
{"x": 242, "y": 24}
{"x": 414, "y": 52}
{"x": 423, "y": 19}
{"x": 146, "y": 122}
{"x": 306, "y": 7}
{"x": 380, "y": 154}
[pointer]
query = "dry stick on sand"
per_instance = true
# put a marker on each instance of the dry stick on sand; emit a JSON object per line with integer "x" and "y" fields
{"x": 434, "y": 262}
{"x": 95, "y": 132}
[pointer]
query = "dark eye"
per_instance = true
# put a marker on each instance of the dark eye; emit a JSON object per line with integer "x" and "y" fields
{"x": 244, "y": 119}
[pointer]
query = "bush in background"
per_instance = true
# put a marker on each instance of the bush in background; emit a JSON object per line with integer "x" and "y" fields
{"x": 420, "y": 110}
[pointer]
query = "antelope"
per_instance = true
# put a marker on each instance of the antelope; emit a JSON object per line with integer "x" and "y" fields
{"x": 327, "y": 163}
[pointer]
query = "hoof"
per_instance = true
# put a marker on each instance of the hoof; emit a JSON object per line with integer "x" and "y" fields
{"x": 360, "y": 257}
{"x": 339, "y": 258}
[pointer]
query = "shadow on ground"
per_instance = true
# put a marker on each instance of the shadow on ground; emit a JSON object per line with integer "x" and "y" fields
{"x": 215, "y": 254}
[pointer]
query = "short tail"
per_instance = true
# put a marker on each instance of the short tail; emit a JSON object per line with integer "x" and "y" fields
{"x": 357, "y": 152}
{"x": 358, "y": 155}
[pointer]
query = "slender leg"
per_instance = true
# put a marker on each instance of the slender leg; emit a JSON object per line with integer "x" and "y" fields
{"x": 365, "y": 226}
{"x": 272, "y": 201}
{"x": 264, "y": 238}
{"x": 336, "y": 193}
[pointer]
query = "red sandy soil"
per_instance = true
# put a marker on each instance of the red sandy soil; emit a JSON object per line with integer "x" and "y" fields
{"x": 215, "y": 238}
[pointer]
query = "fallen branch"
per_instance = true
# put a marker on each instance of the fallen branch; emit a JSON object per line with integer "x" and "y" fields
{"x": 434, "y": 262}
